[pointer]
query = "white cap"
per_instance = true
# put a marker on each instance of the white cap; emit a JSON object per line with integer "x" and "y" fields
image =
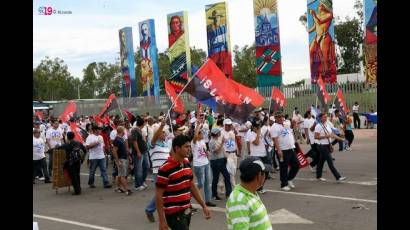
{"x": 227, "y": 122}
{"x": 192, "y": 120}
{"x": 248, "y": 124}
{"x": 272, "y": 118}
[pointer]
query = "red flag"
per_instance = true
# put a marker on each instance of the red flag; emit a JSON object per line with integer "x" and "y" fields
{"x": 340, "y": 102}
{"x": 110, "y": 104}
{"x": 213, "y": 79}
{"x": 248, "y": 95}
{"x": 178, "y": 104}
{"x": 69, "y": 111}
{"x": 100, "y": 122}
{"x": 40, "y": 115}
{"x": 77, "y": 135}
{"x": 130, "y": 116}
{"x": 278, "y": 99}
{"x": 322, "y": 93}
{"x": 301, "y": 157}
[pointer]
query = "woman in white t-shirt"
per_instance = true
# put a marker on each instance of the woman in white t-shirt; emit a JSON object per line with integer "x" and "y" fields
{"x": 201, "y": 163}
{"x": 323, "y": 135}
{"x": 39, "y": 158}
{"x": 257, "y": 148}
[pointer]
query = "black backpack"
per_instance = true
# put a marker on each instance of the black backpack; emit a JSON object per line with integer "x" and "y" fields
{"x": 76, "y": 155}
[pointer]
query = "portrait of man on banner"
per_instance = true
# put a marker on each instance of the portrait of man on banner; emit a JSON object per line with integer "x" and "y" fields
{"x": 147, "y": 74}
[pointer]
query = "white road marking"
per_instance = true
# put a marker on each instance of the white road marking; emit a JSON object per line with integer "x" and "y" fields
{"x": 324, "y": 196}
{"x": 369, "y": 183}
{"x": 283, "y": 216}
{"x": 72, "y": 222}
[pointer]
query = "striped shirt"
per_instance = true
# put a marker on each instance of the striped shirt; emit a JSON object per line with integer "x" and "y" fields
{"x": 159, "y": 154}
{"x": 245, "y": 210}
{"x": 176, "y": 178}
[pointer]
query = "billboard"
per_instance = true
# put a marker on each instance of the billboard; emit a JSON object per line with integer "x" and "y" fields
{"x": 370, "y": 40}
{"x": 149, "y": 59}
{"x": 268, "y": 56}
{"x": 129, "y": 86}
{"x": 179, "y": 53}
{"x": 322, "y": 50}
{"x": 217, "y": 30}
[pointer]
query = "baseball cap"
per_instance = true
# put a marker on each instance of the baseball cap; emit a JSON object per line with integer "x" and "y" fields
{"x": 248, "y": 124}
{"x": 215, "y": 131}
{"x": 37, "y": 122}
{"x": 227, "y": 122}
{"x": 258, "y": 109}
{"x": 252, "y": 165}
{"x": 272, "y": 118}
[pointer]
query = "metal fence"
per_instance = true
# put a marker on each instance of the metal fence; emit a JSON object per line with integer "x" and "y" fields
{"x": 301, "y": 96}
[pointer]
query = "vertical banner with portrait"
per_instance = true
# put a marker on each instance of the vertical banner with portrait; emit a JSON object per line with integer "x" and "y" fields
{"x": 268, "y": 56}
{"x": 179, "y": 53}
{"x": 322, "y": 49}
{"x": 217, "y": 29}
{"x": 149, "y": 59}
{"x": 370, "y": 40}
{"x": 129, "y": 86}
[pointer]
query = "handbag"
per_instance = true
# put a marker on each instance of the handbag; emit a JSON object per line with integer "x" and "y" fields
{"x": 330, "y": 143}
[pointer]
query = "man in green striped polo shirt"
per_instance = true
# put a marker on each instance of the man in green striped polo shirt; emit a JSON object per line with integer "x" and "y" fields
{"x": 244, "y": 209}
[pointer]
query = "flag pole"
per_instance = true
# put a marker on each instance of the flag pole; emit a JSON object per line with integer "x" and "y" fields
{"x": 270, "y": 100}
{"x": 122, "y": 116}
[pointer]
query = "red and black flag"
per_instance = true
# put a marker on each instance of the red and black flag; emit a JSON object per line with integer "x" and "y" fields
{"x": 177, "y": 102}
{"x": 322, "y": 94}
{"x": 130, "y": 116}
{"x": 69, "y": 111}
{"x": 341, "y": 103}
{"x": 40, "y": 115}
{"x": 278, "y": 100}
{"x": 76, "y": 131}
{"x": 249, "y": 98}
{"x": 110, "y": 104}
{"x": 209, "y": 82}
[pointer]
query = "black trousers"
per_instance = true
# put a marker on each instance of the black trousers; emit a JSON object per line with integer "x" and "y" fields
{"x": 349, "y": 136}
{"x": 326, "y": 156}
{"x": 50, "y": 161}
{"x": 314, "y": 154}
{"x": 265, "y": 160}
{"x": 289, "y": 159}
{"x": 178, "y": 221}
{"x": 40, "y": 165}
{"x": 74, "y": 171}
{"x": 219, "y": 166}
{"x": 356, "y": 120}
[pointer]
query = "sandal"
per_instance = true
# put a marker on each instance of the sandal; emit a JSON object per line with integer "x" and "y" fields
{"x": 119, "y": 190}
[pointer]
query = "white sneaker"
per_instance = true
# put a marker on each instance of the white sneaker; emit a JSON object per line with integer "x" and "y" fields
{"x": 286, "y": 188}
{"x": 262, "y": 191}
{"x": 349, "y": 149}
{"x": 291, "y": 184}
{"x": 140, "y": 188}
{"x": 145, "y": 185}
{"x": 321, "y": 179}
{"x": 341, "y": 179}
{"x": 41, "y": 178}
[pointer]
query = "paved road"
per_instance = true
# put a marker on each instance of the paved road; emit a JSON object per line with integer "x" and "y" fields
{"x": 312, "y": 205}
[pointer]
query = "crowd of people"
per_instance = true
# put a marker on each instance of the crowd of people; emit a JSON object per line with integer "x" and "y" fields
{"x": 199, "y": 144}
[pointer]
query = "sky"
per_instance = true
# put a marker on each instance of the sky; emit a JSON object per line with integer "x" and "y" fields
{"x": 90, "y": 32}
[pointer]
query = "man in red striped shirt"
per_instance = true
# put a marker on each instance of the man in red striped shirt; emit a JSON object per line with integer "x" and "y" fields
{"x": 174, "y": 188}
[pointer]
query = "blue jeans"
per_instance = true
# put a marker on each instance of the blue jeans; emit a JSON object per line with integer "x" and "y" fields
{"x": 203, "y": 177}
{"x": 152, "y": 206}
{"x": 141, "y": 167}
{"x": 218, "y": 166}
{"x": 94, "y": 163}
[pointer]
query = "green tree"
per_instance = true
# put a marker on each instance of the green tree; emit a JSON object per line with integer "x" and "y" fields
{"x": 244, "y": 70}
{"x": 100, "y": 80}
{"x": 198, "y": 57}
{"x": 52, "y": 81}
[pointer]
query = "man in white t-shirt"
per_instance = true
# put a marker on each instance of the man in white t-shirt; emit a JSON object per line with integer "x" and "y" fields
{"x": 39, "y": 158}
{"x": 257, "y": 147}
{"x": 313, "y": 152}
{"x": 200, "y": 162}
{"x": 95, "y": 145}
{"x": 230, "y": 149}
{"x": 54, "y": 138}
{"x": 148, "y": 130}
{"x": 285, "y": 145}
{"x": 356, "y": 118}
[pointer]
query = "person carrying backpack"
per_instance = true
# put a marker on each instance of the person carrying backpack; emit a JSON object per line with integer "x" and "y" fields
{"x": 75, "y": 154}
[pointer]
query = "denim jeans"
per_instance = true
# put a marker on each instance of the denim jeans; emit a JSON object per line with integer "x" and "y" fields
{"x": 152, "y": 206}
{"x": 141, "y": 167}
{"x": 219, "y": 166}
{"x": 203, "y": 177}
{"x": 93, "y": 167}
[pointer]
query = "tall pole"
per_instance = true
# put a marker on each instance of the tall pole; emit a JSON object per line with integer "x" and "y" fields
{"x": 270, "y": 100}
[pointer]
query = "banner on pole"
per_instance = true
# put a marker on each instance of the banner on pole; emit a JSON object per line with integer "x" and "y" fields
{"x": 370, "y": 40}
{"x": 129, "y": 85}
